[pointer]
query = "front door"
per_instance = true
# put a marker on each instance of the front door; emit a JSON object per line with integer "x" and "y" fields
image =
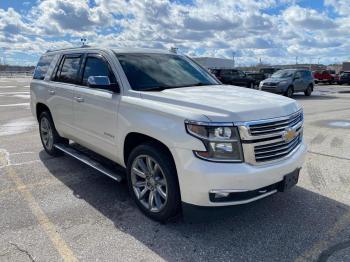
{"x": 95, "y": 110}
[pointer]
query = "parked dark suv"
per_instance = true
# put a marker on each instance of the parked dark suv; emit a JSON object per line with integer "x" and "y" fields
{"x": 344, "y": 78}
{"x": 233, "y": 77}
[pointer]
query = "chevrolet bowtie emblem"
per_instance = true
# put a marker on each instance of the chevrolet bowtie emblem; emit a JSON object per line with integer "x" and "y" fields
{"x": 288, "y": 134}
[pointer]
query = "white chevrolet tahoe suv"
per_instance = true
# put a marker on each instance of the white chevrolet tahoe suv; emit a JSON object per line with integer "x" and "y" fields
{"x": 183, "y": 138}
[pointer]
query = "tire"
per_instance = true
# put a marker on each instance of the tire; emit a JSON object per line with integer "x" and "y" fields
{"x": 156, "y": 185}
{"x": 289, "y": 92}
{"x": 308, "y": 90}
{"x": 48, "y": 134}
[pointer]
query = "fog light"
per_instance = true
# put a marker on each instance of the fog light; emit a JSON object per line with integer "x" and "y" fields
{"x": 221, "y": 194}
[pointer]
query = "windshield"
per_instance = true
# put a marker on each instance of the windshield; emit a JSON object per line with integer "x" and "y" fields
{"x": 162, "y": 71}
{"x": 283, "y": 74}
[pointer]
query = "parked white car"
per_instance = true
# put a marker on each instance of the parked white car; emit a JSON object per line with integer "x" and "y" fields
{"x": 184, "y": 138}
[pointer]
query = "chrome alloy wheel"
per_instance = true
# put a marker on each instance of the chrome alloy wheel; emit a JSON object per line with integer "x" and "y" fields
{"x": 149, "y": 183}
{"x": 46, "y": 133}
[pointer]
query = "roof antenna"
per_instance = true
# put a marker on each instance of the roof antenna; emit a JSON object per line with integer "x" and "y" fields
{"x": 83, "y": 41}
{"x": 174, "y": 49}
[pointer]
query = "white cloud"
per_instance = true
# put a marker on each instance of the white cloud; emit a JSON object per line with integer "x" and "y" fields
{"x": 308, "y": 19}
{"x": 342, "y": 7}
{"x": 216, "y": 28}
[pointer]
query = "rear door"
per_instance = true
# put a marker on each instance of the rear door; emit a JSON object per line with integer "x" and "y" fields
{"x": 242, "y": 79}
{"x": 95, "y": 110}
{"x": 298, "y": 81}
{"x": 61, "y": 90}
{"x": 226, "y": 76}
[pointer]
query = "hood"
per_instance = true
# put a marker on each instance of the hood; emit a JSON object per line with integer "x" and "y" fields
{"x": 226, "y": 103}
{"x": 275, "y": 80}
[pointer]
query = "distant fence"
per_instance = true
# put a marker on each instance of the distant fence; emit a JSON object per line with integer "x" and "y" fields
{"x": 13, "y": 74}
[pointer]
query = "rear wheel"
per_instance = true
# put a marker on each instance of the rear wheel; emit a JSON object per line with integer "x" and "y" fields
{"x": 48, "y": 134}
{"x": 308, "y": 90}
{"x": 289, "y": 92}
{"x": 152, "y": 181}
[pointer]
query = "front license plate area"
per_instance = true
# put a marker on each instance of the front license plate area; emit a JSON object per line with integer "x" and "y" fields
{"x": 290, "y": 180}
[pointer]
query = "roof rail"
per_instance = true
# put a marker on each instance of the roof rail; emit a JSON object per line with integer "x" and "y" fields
{"x": 68, "y": 48}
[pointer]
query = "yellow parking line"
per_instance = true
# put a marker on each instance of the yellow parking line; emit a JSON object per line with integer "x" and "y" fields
{"x": 322, "y": 245}
{"x": 44, "y": 182}
{"x": 49, "y": 228}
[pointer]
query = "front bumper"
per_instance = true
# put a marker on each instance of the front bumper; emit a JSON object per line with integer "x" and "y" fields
{"x": 273, "y": 89}
{"x": 197, "y": 178}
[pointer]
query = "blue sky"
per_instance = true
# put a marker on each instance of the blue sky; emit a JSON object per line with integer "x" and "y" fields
{"x": 274, "y": 30}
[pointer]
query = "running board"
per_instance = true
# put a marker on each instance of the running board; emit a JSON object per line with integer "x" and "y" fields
{"x": 88, "y": 161}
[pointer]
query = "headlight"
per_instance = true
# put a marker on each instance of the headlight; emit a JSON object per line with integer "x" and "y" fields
{"x": 222, "y": 142}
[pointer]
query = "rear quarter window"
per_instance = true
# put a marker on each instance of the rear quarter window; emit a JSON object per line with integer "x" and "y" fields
{"x": 42, "y": 67}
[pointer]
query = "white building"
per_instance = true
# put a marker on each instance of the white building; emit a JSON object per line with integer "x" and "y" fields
{"x": 215, "y": 63}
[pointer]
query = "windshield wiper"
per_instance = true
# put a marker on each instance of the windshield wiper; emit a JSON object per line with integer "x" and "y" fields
{"x": 196, "y": 84}
{"x": 161, "y": 88}
{"x": 156, "y": 88}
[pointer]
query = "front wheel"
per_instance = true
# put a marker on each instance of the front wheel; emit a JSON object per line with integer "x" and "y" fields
{"x": 152, "y": 181}
{"x": 289, "y": 92}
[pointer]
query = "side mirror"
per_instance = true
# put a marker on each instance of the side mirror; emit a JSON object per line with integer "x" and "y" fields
{"x": 102, "y": 82}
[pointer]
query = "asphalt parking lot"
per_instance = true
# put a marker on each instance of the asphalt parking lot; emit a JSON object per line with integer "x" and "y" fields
{"x": 55, "y": 209}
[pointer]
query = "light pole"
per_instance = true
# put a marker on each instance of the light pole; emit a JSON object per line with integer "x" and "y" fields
{"x": 233, "y": 58}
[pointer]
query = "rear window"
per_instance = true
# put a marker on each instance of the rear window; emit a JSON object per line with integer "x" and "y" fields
{"x": 69, "y": 70}
{"x": 42, "y": 67}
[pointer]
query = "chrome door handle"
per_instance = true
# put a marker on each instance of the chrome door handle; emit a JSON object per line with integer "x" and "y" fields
{"x": 52, "y": 92}
{"x": 79, "y": 99}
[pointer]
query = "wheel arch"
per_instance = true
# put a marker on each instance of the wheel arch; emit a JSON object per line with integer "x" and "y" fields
{"x": 134, "y": 139}
{"x": 40, "y": 107}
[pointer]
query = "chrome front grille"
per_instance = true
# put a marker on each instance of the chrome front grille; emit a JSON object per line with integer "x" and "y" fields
{"x": 271, "y": 140}
{"x": 271, "y": 127}
{"x": 277, "y": 150}
{"x": 270, "y": 84}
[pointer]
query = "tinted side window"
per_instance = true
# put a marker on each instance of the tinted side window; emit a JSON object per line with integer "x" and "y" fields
{"x": 96, "y": 66}
{"x": 307, "y": 74}
{"x": 225, "y": 72}
{"x": 69, "y": 70}
{"x": 235, "y": 73}
{"x": 298, "y": 74}
{"x": 42, "y": 67}
{"x": 241, "y": 74}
